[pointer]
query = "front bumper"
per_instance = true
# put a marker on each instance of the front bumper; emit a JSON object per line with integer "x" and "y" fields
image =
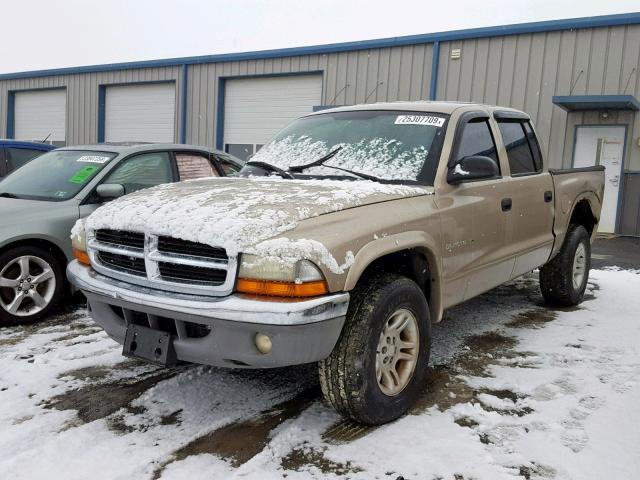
{"x": 301, "y": 331}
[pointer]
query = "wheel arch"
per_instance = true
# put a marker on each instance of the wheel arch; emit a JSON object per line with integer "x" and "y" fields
{"x": 39, "y": 242}
{"x": 412, "y": 254}
{"x": 582, "y": 214}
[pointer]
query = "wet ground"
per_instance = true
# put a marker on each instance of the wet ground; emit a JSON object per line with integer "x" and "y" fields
{"x": 78, "y": 382}
{"x": 623, "y": 252}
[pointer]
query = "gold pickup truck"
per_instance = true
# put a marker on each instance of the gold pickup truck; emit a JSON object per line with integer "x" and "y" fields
{"x": 343, "y": 239}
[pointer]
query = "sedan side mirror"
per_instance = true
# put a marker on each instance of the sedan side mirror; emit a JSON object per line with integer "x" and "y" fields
{"x": 474, "y": 167}
{"x": 110, "y": 191}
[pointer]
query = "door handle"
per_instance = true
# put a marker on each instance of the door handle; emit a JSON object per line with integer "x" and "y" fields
{"x": 548, "y": 196}
{"x": 506, "y": 204}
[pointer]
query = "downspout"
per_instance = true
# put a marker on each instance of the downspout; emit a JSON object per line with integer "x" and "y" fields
{"x": 435, "y": 61}
{"x": 184, "y": 90}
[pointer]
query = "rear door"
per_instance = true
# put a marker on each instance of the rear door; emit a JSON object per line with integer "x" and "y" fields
{"x": 530, "y": 190}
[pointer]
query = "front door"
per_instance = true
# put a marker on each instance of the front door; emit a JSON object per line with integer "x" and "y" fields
{"x": 603, "y": 146}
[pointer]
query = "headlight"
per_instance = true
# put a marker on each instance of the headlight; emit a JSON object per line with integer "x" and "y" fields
{"x": 274, "y": 276}
{"x": 79, "y": 242}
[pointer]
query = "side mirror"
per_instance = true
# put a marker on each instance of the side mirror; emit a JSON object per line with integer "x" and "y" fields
{"x": 474, "y": 167}
{"x": 109, "y": 191}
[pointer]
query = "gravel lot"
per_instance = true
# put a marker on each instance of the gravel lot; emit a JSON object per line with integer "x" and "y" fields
{"x": 516, "y": 390}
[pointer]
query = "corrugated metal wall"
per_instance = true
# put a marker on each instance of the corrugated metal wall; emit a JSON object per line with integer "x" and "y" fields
{"x": 387, "y": 74}
{"x": 82, "y": 96}
{"x": 526, "y": 71}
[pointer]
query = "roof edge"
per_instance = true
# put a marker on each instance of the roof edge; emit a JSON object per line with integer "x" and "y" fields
{"x": 481, "y": 32}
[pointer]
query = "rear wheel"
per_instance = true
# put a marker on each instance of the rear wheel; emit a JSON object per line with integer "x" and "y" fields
{"x": 563, "y": 280}
{"x": 31, "y": 284}
{"x": 379, "y": 365}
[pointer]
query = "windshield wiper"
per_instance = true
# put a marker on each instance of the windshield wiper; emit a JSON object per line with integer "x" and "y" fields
{"x": 8, "y": 195}
{"x": 358, "y": 174}
{"x": 331, "y": 154}
{"x": 270, "y": 168}
{"x": 315, "y": 163}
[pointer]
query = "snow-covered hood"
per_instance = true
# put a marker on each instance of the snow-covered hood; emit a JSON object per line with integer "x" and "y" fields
{"x": 239, "y": 213}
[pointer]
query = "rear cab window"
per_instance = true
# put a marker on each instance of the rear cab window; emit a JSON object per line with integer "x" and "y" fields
{"x": 523, "y": 151}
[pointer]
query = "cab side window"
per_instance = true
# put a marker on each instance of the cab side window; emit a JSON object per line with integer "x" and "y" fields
{"x": 519, "y": 149}
{"x": 477, "y": 140}
{"x": 142, "y": 171}
{"x": 193, "y": 165}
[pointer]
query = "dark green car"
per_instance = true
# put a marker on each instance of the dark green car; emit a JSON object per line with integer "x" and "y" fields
{"x": 40, "y": 202}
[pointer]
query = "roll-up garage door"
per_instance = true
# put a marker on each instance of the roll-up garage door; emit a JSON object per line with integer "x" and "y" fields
{"x": 257, "y": 108}
{"x": 140, "y": 113}
{"x": 40, "y": 114}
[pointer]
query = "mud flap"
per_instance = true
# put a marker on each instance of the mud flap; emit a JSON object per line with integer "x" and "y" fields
{"x": 148, "y": 344}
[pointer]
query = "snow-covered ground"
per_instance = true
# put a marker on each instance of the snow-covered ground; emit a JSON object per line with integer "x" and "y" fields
{"x": 516, "y": 391}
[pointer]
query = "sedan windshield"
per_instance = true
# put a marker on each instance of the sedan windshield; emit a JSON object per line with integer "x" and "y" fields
{"x": 57, "y": 175}
{"x": 388, "y": 145}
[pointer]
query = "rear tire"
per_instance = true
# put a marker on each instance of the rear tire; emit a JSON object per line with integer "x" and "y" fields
{"x": 31, "y": 285}
{"x": 374, "y": 375}
{"x": 563, "y": 280}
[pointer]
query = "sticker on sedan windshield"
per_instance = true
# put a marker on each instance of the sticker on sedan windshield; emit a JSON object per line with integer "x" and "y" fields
{"x": 83, "y": 174}
{"x": 427, "y": 120}
{"x": 93, "y": 159}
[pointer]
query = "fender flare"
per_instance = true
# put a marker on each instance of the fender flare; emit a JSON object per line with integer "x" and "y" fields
{"x": 417, "y": 240}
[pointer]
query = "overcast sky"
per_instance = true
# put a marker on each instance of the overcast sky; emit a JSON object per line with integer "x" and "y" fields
{"x": 40, "y": 34}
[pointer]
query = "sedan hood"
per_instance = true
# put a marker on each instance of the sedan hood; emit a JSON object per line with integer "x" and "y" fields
{"x": 19, "y": 211}
{"x": 237, "y": 213}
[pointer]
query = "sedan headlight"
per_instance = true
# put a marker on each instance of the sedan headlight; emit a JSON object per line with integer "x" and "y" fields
{"x": 79, "y": 242}
{"x": 278, "y": 277}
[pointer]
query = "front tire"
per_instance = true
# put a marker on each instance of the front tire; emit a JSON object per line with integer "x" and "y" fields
{"x": 379, "y": 365}
{"x": 563, "y": 280}
{"x": 31, "y": 285}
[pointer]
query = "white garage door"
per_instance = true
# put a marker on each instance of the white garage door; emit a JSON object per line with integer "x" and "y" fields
{"x": 255, "y": 109}
{"x": 144, "y": 113}
{"x": 40, "y": 114}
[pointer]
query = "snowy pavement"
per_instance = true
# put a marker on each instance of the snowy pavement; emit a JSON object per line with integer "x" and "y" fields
{"x": 516, "y": 390}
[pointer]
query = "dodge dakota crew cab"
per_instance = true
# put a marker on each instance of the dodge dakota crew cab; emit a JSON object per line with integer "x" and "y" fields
{"x": 349, "y": 234}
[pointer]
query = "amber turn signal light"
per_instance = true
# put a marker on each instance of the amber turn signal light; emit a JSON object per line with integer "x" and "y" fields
{"x": 282, "y": 289}
{"x": 81, "y": 256}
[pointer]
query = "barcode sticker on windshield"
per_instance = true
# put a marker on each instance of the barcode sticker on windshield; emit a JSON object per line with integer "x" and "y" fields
{"x": 427, "y": 120}
{"x": 93, "y": 159}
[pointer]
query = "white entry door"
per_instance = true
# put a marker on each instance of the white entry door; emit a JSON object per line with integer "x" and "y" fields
{"x": 603, "y": 146}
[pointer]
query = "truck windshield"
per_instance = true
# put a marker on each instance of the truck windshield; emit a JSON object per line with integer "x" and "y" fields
{"x": 391, "y": 145}
{"x": 57, "y": 175}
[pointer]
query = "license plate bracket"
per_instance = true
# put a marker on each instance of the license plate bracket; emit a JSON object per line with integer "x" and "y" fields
{"x": 154, "y": 346}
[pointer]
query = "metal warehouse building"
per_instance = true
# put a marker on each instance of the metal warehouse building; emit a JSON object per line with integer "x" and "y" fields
{"x": 578, "y": 79}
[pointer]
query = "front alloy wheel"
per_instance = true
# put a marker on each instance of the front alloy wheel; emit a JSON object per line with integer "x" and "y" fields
{"x": 379, "y": 365}
{"x": 30, "y": 284}
{"x": 397, "y": 352}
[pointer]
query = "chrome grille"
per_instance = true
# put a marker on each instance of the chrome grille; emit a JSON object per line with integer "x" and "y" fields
{"x": 132, "y": 265}
{"x": 184, "y": 247}
{"x": 162, "y": 262}
{"x": 119, "y": 237}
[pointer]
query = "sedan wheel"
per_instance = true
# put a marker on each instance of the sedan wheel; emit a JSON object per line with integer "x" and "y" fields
{"x": 31, "y": 284}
